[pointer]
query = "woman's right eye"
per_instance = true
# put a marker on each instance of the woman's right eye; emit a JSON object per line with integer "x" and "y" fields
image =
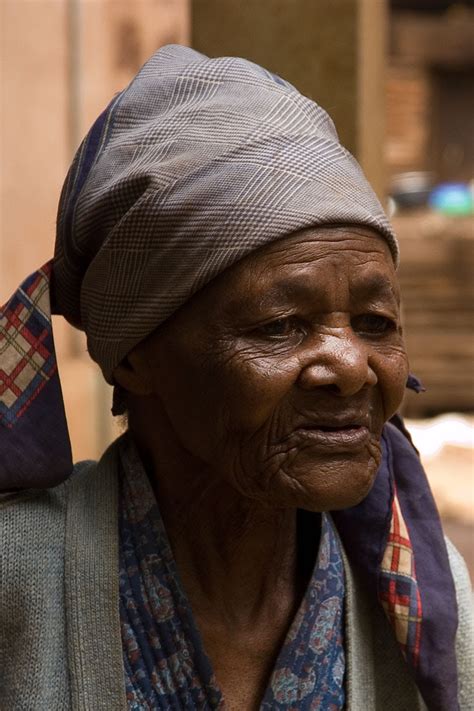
{"x": 278, "y": 329}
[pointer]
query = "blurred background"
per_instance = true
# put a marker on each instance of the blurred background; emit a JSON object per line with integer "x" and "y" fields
{"x": 397, "y": 78}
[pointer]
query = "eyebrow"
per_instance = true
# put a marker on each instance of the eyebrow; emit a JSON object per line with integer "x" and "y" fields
{"x": 287, "y": 290}
{"x": 375, "y": 286}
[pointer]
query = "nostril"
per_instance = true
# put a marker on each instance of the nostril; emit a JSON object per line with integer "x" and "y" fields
{"x": 333, "y": 388}
{"x": 338, "y": 380}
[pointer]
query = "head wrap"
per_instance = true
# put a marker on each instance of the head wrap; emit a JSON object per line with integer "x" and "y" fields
{"x": 196, "y": 164}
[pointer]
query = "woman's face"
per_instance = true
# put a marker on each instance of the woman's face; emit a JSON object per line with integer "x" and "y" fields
{"x": 280, "y": 374}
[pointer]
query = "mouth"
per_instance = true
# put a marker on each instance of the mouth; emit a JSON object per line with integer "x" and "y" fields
{"x": 341, "y": 437}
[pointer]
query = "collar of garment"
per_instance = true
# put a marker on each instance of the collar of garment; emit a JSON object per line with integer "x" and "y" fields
{"x": 165, "y": 663}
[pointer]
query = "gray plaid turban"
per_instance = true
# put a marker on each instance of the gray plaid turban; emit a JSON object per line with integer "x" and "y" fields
{"x": 197, "y": 163}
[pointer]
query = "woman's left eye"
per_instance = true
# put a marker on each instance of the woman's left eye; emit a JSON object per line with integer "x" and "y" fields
{"x": 373, "y": 324}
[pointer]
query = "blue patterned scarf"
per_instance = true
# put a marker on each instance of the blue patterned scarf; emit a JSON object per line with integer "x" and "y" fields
{"x": 166, "y": 666}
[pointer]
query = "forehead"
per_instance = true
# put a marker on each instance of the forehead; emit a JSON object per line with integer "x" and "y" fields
{"x": 341, "y": 244}
{"x": 325, "y": 255}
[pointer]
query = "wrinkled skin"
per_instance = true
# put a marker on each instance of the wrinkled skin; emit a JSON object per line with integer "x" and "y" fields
{"x": 305, "y": 332}
{"x": 265, "y": 393}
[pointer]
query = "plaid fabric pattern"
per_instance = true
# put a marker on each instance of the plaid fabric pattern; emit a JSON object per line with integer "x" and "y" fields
{"x": 26, "y": 346}
{"x": 399, "y": 593}
{"x": 34, "y": 438}
{"x": 193, "y": 166}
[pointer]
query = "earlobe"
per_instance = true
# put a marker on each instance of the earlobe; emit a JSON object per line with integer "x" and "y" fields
{"x": 133, "y": 375}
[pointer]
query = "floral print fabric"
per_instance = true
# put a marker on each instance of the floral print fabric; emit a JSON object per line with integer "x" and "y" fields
{"x": 165, "y": 664}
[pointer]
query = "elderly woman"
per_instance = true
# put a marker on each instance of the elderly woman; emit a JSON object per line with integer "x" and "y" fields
{"x": 235, "y": 276}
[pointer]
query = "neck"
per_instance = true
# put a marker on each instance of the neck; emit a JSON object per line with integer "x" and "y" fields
{"x": 236, "y": 558}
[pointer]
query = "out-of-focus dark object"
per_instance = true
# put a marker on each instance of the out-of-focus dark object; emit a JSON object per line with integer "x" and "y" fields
{"x": 430, "y": 97}
{"x": 428, "y": 5}
{"x": 452, "y": 199}
{"x": 412, "y": 189}
{"x": 452, "y": 135}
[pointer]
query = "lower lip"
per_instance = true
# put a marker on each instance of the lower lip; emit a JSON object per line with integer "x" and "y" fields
{"x": 352, "y": 438}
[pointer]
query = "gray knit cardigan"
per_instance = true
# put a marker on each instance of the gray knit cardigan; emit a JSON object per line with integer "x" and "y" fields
{"x": 60, "y": 643}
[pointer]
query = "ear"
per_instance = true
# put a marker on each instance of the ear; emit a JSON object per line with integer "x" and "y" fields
{"x": 133, "y": 373}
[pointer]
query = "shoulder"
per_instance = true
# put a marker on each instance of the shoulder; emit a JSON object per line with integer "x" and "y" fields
{"x": 33, "y": 526}
{"x": 29, "y": 503}
{"x": 460, "y": 575}
{"x": 40, "y": 530}
{"x": 32, "y": 514}
{"x": 53, "y": 566}
{"x": 465, "y": 633}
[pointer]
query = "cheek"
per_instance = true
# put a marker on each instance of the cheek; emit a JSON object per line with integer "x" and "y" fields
{"x": 185, "y": 396}
{"x": 255, "y": 388}
{"x": 224, "y": 400}
{"x": 392, "y": 373}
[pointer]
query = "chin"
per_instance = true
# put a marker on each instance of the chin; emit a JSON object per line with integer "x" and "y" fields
{"x": 337, "y": 484}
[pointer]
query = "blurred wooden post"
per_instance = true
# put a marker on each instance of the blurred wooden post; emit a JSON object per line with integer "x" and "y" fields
{"x": 372, "y": 33}
{"x": 331, "y": 50}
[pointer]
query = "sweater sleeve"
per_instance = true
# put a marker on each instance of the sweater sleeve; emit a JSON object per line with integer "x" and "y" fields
{"x": 33, "y": 653}
{"x": 465, "y": 633}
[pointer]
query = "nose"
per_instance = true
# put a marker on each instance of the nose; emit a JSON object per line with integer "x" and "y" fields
{"x": 339, "y": 363}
